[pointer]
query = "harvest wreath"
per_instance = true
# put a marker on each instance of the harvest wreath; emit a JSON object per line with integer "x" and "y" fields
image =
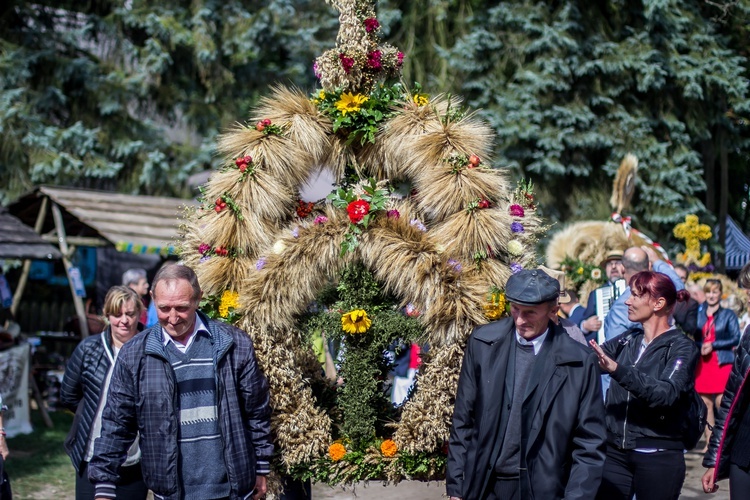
{"x": 283, "y": 269}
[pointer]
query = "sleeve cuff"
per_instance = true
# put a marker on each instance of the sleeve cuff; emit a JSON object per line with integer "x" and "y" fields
{"x": 105, "y": 490}
{"x": 262, "y": 467}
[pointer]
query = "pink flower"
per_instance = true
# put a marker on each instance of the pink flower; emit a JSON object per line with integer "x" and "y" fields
{"x": 393, "y": 214}
{"x": 373, "y": 60}
{"x": 320, "y": 219}
{"x": 399, "y": 59}
{"x": 203, "y": 248}
{"x": 346, "y": 62}
{"x": 371, "y": 24}
{"x": 516, "y": 210}
{"x": 316, "y": 70}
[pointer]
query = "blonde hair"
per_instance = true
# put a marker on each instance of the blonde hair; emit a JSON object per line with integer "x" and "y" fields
{"x": 117, "y": 296}
{"x": 711, "y": 283}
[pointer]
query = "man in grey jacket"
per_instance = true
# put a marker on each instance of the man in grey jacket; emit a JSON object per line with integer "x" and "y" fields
{"x": 193, "y": 389}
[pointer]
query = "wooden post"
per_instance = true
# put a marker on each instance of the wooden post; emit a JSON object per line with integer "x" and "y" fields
{"x": 27, "y": 263}
{"x": 62, "y": 240}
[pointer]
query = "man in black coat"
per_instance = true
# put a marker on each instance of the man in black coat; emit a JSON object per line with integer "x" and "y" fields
{"x": 529, "y": 418}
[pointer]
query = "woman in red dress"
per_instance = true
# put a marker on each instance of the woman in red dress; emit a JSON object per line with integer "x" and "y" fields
{"x": 721, "y": 334}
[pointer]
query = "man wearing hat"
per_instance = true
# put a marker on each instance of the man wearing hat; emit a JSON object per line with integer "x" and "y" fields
{"x": 613, "y": 269}
{"x": 528, "y": 420}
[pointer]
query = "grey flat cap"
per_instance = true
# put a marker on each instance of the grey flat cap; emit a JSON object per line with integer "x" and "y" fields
{"x": 531, "y": 287}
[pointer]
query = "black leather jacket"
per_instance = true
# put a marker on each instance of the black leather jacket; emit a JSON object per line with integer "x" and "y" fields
{"x": 728, "y": 416}
{"x": 648, "y": 397}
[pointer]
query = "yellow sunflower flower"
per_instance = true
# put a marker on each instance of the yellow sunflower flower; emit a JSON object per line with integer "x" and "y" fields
{"x": 350, "y": 103}
{"x": 229, "y": 299}
{"x": 355, "y": 321}
{"x": 421, "y": 100}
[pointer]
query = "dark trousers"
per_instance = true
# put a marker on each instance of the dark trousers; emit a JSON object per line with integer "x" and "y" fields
{"x": 739, "y": 481}
{"x": 130, "y": 487}
{"x": 650, "y": 476}
{"x": 5, "y": 493}
{"x": 503, "y": 488}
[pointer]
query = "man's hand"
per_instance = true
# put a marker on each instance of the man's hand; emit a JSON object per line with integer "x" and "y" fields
{"x": 652, "y": 255}
{"x": 260, "y": 487}
{"x": 706, "y": 348}
{"x": 4, "y": 447}
{"x": 708, "y": 481}
{"x": 591, "y": 324}
{"x": 605, "y": 362}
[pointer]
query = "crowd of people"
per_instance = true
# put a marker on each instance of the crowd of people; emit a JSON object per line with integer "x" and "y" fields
{"x": 526, "y": 423}
{"x": 180, "y": 407}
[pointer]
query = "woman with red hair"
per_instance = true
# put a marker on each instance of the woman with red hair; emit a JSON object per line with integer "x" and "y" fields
{"x": 652, "y": 369}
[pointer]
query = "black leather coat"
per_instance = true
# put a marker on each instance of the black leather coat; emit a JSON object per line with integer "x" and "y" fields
{"x": 647, "y": 400}
{"x": 563, "y": 436}
{"x": 728, "y": 417}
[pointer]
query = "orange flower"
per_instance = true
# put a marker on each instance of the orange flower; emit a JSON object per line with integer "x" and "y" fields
{"x": 388, "y": 448}
{"x": 336, "y": 451}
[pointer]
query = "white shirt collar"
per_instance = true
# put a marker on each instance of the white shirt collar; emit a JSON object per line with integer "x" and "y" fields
{"x": 199, "y": 326}
{"x": 537, "y": 342}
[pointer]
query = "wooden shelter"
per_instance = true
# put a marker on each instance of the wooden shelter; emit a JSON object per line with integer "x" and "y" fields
{"x": 70, "y": 217}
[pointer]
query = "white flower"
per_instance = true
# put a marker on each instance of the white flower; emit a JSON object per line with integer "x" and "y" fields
{"x": 279, "y": 247}
{"x": 515, "y": 247}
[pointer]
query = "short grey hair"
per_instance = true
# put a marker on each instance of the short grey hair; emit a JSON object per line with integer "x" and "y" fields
{"x": 178, "y": 272}
{"x": 133, "y": 276}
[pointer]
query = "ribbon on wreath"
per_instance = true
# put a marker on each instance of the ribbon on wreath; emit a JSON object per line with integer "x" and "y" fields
{"x": 631, "y": 231}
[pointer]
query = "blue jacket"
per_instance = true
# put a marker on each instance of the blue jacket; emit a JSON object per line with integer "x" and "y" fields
{"x": 81, "y": 390}
{"x": 727, "y": 332}
{"x": 142, "y": 398}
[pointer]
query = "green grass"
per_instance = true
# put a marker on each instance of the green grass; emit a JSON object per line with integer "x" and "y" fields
{"x": 38, "y": 466}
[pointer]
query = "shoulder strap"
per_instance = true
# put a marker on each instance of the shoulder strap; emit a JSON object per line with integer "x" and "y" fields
{"x": 625, "y": 340}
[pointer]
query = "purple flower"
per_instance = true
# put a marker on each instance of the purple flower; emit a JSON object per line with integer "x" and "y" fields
{"x": 393, "y": 214}
{"x": 316, "y": 70}
{"x": 205, "y": 258}
{"x": 515, "y": 267}
{"x": 516, "y": 227}
{"x": 260, "y": 264}
{"x": 418, "y": 224}
{"x": 295, "y": 232}
{"x": 320, "y": 219}
{"x": 456, "y": 265}
{"x": 371, "y": 24}
{"x": 203, "y": 248}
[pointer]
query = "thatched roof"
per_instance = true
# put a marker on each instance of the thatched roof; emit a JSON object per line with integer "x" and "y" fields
{"x": 131, "y": 223}
{"x": 19, "y": 241}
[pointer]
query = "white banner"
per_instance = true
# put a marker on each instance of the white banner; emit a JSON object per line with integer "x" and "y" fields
{"x": 14, "y": 387}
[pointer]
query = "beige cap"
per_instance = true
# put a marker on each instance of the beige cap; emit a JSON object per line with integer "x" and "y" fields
{"x": 564, "y": 298}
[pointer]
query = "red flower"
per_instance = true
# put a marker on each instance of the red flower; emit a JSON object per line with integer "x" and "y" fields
{"x": 304, "y": 209}
{"x": 243, "y": 160}
{"x": 516, "y": 210}
{"x": 474, "y": 161}
{"x": 371, "y": 24}
{"x": 220, "y": 205}
{"x": 373, "y": 59}
{"x": 346, "y": 62}
{"x": 221, "y": 251}
{"x": 260, "y": 126}
{"x": 357, "y": 210}
{"x": 484, "y": 204}
{"x": 266, "y": 121}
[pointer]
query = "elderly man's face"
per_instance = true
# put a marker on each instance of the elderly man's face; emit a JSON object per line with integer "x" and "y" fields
{"x": 175, "y": 307}
{"x": 614, "y": 269}
{"x": 531, "y": 321}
